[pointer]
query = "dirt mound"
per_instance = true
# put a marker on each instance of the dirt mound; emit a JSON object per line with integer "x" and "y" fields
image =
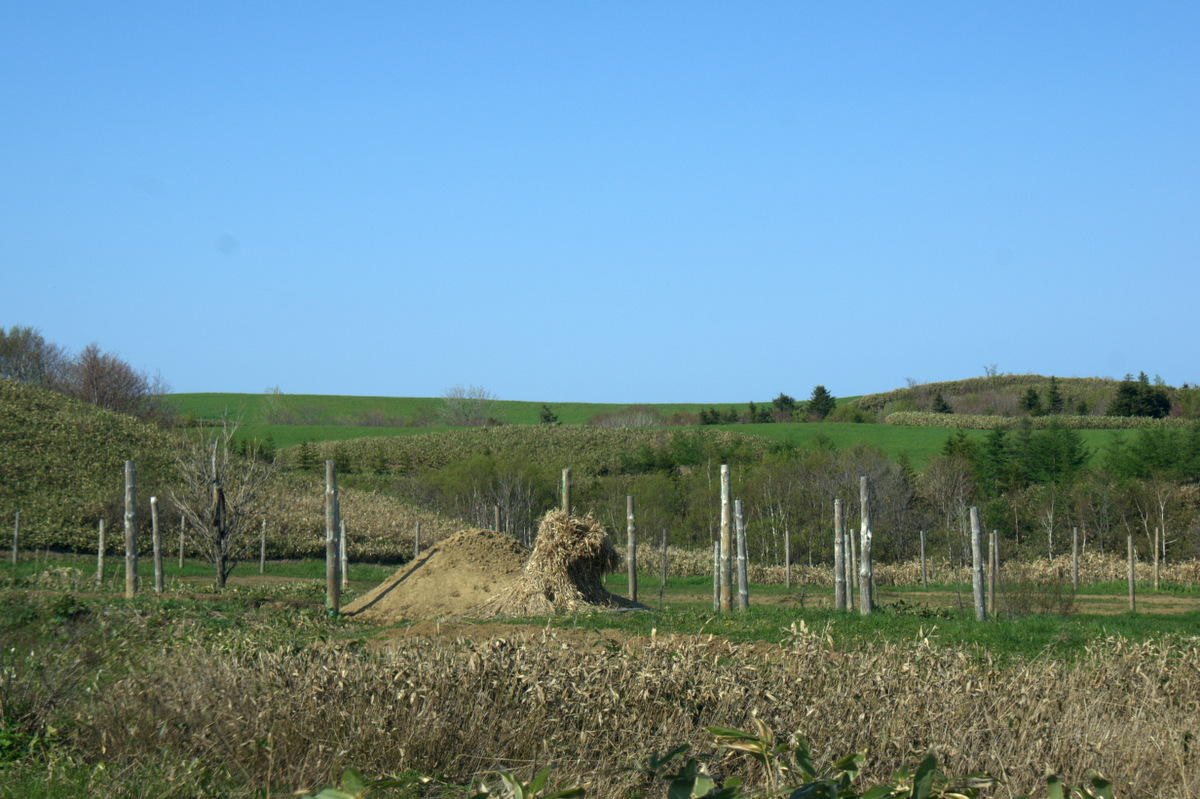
{"x": 456, "y": 575}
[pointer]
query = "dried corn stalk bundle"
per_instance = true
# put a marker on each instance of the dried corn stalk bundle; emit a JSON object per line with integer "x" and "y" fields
{"x": 564, "y": 574}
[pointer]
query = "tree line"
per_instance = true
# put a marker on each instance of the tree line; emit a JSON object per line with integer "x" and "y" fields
{"x": 101, "y": 378}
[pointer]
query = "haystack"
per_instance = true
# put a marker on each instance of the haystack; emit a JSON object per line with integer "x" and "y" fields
{"x": 563, "y": 575}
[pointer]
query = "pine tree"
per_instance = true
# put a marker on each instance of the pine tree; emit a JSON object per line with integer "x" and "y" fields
{"x": 940, "y": 405}
{"x": 820, "y": 404}
{"x": 1054, "y": 397}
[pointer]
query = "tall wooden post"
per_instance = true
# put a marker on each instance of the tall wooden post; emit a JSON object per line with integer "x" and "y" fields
{"x": 417, "y": 541}
{"x": 1157, "y": 536}
{"x": 343, "y": 556}
{"x": 333, "y": 597}
{"x": 631, "y": 547}
{"x": 566, "y": 491}
{"x": 851, "y": 569}
{"x": 839, "y": 558}
{"x": 992, "y": 573}
{"x": 787, "y": 556}
{"x": 924, "y": 568}
{"x": 995, "y": 567}
{"x": 130, "y": 532}
{"x": 866, "y": 571}
{"x": 262, "y": 548}
{"x": 496, "y": 518}
{"x": 726, "y": 542}
{"x": 100, "y": 557}
{"x": 743, "y": 583}
{"x": 977, "y": 566}
{"x": 1074, "y": 558}
{"x": 1132, "y": 577}
{"x": 662, "y": 586}
{"x": 16, "y": 537}
{"x": 156, "y": 542}
{"x": 182, "y": 528}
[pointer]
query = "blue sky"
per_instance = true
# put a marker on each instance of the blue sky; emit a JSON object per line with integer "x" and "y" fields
{"x": 609, "y": 202}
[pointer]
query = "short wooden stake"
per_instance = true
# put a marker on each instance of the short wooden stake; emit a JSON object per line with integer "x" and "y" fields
{"x": 743, "y": 585}
{"x": 631, "y": 547}
{"x": 662, "y": 586}
{"x": 130, "y": 531}
{"x": 977, "y": 566}
{"x": 992, "y": 573}
{"x": 924, "y": 569}
{"x": 156, "y": 542}
{"x": 1074, "y": 558}
{"x": 100, "y": 557}
{"x": 1132, "y": 577}
{"x": 839, "y": 559}
{"x": 344, "y": 556}
{"x": 566, "y": 491}
{"x": 333, "y": 597}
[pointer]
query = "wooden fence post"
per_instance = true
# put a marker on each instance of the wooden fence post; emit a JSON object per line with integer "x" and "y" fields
{"x": 343, "y": 556}
{"x": 496, "y": 518}
{"x": 743, "y": 583}
{"x": 1132, "y": 577}
{"x": 977, "y": 565}
{"x": 726, "y": 542}
{"x": 851, "y": 567}
{"x": 262, "y": 548}
{"x": 866, "y": 571}
{"x": 1074, "y": 558}
{"x": 992, "y": 572}
{"x": 156, "y": 542}
{"x": 130, "y": 531}
{"x": 417, "y": 541}
{"x": 631, "y": 547}
{"x": 566, "y": 491}
{"x": 182, "y": 528}
{"x": 16, "y": 537}
{"x": 787, "y": 556}
{"x": 839, "y": 559}
{"x": 333, "y": 598}
{"x": 662, "y": 586}
{"x": 100, "y": 557}
{"x": 1157, "y": 536}
{"x": 924, "y": 570}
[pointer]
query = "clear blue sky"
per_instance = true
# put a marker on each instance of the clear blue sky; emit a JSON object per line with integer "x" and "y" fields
{"x": 611, "y": 202}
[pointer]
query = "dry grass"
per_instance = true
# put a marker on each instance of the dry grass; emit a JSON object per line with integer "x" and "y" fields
{"x": 460, "y": 708}
{"x": 564, "y": 574}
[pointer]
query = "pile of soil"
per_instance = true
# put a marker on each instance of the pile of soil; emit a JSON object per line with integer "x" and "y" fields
{"x": 456, "y": 575}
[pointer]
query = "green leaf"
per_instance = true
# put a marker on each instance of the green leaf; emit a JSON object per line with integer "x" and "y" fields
{"x": 352, "y": 782}
{"x": 923, "y": 782}
{"x": 815, "y": 790}
{"x": 334, "y": 793}
{"x": 804, "y": 759}
{"x": 539, "y": 781}
{"x": 1054, "y": 788}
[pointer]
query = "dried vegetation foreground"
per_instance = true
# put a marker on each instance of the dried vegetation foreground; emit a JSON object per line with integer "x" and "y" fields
{"x": 521, "y": 700}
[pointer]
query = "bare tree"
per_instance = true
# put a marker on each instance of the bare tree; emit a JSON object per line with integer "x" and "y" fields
{"x": 107, "y": 381}
{"x": 27, "y": 357}
{"x": 467, "y": 407}
{"x": 219, "y": 492}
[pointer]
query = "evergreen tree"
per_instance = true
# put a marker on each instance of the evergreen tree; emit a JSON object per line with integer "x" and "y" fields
{"x": 940, "y": 405}
{"x": 1054, "y": 397}
{"x": 1140, "y": 399}
{"x": 785, "y": 407}
{"x": 820, "y": 404}
{"x": 1031, "y": 403}
{"x": 548, "y": 416}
